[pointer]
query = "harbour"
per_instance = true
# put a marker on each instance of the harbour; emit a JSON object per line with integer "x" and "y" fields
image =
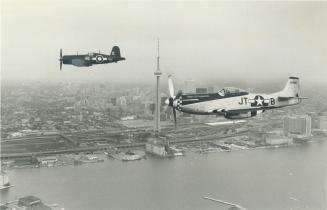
{"x": 254, "y": 178}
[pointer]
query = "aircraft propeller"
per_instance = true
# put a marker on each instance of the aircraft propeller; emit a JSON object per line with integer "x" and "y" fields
{"x": 170, "y": 101}
{"x": 171, "y": 86}
{"x": 60, "y": 58}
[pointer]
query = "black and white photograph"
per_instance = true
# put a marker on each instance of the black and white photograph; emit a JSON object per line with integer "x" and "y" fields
{"x": 163, "y": 105}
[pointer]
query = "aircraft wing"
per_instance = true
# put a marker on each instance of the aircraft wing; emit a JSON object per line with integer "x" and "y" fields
{"x": 239, "y": 110}
{"x": 282, "y": 98}
{"x": 242, "y": 110}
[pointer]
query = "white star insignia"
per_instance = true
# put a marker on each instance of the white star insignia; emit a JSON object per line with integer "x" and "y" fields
{"x": 259, "y": 101}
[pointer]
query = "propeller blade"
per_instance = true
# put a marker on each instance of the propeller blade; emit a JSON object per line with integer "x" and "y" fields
{"x": 174, "y": 113}
{"x": 171, "y": 86}
{"x": 60, "y": 58}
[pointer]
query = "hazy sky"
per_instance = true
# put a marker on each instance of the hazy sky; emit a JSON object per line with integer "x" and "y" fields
{"x": 203, "y": 40}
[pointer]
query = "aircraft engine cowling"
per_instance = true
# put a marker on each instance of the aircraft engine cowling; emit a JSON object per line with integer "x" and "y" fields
{"x": 229, "y": 115}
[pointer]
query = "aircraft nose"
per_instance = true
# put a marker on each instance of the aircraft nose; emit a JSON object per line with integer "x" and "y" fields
{"x": 175, "y": 103}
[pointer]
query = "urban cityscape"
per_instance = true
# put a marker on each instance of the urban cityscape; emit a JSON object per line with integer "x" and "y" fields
{"x": 155, "y": 105}
{"x": 53, "y": 125}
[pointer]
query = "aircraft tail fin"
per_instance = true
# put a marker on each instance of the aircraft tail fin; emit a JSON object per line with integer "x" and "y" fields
{"x": 292, "y": 88}
{"x": 115, "y": 52}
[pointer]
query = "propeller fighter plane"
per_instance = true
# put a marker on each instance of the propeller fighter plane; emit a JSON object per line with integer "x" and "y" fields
{"x": 91, "y": 58}
{"x": 233, "y": 103}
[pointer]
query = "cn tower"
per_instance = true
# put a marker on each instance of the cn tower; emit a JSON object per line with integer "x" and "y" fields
{"x": 157, "y": 73}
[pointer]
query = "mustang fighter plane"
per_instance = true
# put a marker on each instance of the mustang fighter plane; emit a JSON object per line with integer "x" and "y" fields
{"x": 233, "y": 103}
{"x": 91, "y": 58}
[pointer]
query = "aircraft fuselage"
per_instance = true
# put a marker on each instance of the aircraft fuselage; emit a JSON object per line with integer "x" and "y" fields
{"x": 213, "y": 103}
{"x": 235, "y": 103}
{"x": 89, "y": 59}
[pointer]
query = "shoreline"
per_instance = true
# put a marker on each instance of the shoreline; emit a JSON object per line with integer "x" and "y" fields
{"x": 105, "y": 156}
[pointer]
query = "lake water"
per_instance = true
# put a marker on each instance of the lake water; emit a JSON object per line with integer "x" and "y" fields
{"x": 284, "y": 178}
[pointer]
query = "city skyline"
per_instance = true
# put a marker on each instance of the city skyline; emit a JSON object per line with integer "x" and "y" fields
{"x": 228, "y": 121}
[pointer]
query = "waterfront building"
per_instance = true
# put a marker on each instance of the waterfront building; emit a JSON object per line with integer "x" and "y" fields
{"x": 26, "y": 161}
{"x": 314, "y": 120}
{"x": 16, "y": 134}
{"x": 277, "y": 140}
{"x": 323, "y": 121}
{"x": 113, "y": 101}
{"x": 4, "y": 180}
{"x": 47, "y": 161}
{"x": 299, "y": 125}
{"x": 121, "y": 101}
{"x": 156, "y": 148}
{"x": 250, "y": 89}
{"x": 159, "y": 147}
{"x": 129, "y": 117}
{"x": 28, "y": 203}
{"x": 201, "y": 90}
{"x": 189, "y": 86}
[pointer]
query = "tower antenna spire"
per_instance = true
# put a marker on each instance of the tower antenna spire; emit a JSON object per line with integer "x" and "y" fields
{"x": 157, "y": 74}
{"x": 158, "y": 57}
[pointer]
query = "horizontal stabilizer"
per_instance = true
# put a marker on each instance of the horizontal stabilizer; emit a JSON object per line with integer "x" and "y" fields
{"x": 226, "y": 122}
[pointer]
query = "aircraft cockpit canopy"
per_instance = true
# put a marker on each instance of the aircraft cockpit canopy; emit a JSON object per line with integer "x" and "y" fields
{"x": 232, "y": 91}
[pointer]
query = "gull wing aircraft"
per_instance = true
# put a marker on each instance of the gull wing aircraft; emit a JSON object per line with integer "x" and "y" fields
{"x": 233, "y": 103}
{"x": 91, "y": 58}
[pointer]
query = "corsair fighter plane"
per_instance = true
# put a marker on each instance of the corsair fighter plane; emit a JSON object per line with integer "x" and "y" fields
{"x": 91, "y": 58}
{"x": 233, "y": 103}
